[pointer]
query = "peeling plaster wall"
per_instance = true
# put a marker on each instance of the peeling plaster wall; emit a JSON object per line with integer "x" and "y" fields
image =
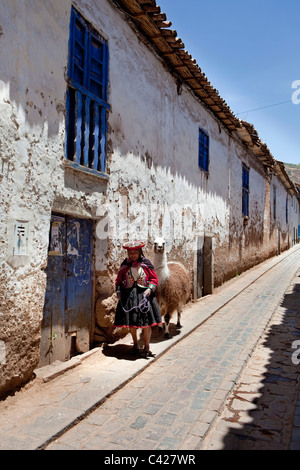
{"x": 283, "y": 232}
{"x": 154, "y": 180}
{"x": 32, "y": 89}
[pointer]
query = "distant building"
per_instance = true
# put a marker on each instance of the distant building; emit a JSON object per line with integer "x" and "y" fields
{"x": 110, "y": 130}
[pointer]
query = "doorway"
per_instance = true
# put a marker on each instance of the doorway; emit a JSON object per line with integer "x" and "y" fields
{"x": 67, "y": 315}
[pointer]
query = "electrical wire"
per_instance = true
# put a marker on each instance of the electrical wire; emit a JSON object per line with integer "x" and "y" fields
{"x": 264, "y": 107}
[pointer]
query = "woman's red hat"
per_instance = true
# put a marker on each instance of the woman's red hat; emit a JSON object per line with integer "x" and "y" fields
{"x": 135, "y": 245}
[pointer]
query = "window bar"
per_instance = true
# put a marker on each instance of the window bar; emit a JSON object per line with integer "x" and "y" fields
{"x": 103, "y": 143}
{"x": 96, "y": 134}
{"x": 68, "y": 130}
{"x": 78, "y": 126}
{"x": 86, "y": 131}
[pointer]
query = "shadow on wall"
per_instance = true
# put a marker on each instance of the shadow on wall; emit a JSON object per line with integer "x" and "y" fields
{"x": 268, "y": 425}
{"x": 38, "y": 109}
{"x": 33, "y": 83}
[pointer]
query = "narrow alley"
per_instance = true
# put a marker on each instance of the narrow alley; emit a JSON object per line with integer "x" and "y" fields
{"x": 184, "y": 398}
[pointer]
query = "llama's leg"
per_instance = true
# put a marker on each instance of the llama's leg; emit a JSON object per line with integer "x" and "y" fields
{"x": 162, "y": 311}
{"x": 167, "y": 321}
{"x": 179, "y": 310}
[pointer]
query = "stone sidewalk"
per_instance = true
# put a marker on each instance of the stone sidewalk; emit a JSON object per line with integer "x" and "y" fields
{"x": 181, "y": 391}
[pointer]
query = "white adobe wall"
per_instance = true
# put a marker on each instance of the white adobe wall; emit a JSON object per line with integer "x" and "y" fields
{"x": 285, "y": 230}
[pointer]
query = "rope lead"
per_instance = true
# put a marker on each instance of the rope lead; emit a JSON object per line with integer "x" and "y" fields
{"x": 143, "y": 306}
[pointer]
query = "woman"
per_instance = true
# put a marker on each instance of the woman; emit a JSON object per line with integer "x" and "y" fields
{"x": 135, "y": 285}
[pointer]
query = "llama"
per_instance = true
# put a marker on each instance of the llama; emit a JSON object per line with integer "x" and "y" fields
{"x": 174, "y": 288}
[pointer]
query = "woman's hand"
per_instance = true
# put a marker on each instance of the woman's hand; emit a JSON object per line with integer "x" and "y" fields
{"x": 147, "y": 292}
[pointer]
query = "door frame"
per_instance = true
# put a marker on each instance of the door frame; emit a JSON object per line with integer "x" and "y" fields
{"x": 72, "y": 346}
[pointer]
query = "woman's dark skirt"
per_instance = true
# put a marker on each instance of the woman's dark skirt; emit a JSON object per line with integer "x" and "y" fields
{"x": 130, "y": 315}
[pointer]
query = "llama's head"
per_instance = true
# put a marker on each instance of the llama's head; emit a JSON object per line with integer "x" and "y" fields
{"x": 159, "y": 245}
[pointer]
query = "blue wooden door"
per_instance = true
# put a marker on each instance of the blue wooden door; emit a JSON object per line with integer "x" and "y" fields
{"x": 79, "y": 274}
{"x": 67, "y": 318}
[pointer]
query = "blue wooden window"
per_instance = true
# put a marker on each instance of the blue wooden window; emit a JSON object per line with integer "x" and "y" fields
{"x": 87, "y": 103}
{"x": 203, "y": 150}
{"x": 245, "y": 197}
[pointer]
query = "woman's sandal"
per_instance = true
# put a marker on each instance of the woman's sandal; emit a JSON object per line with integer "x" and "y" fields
{"x": 146, "y": 353}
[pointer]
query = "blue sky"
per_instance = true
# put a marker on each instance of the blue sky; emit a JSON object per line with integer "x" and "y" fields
{"x": 250, "y": 52}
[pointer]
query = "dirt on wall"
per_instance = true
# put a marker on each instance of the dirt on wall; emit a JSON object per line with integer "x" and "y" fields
{"x": 20, "y": 327}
